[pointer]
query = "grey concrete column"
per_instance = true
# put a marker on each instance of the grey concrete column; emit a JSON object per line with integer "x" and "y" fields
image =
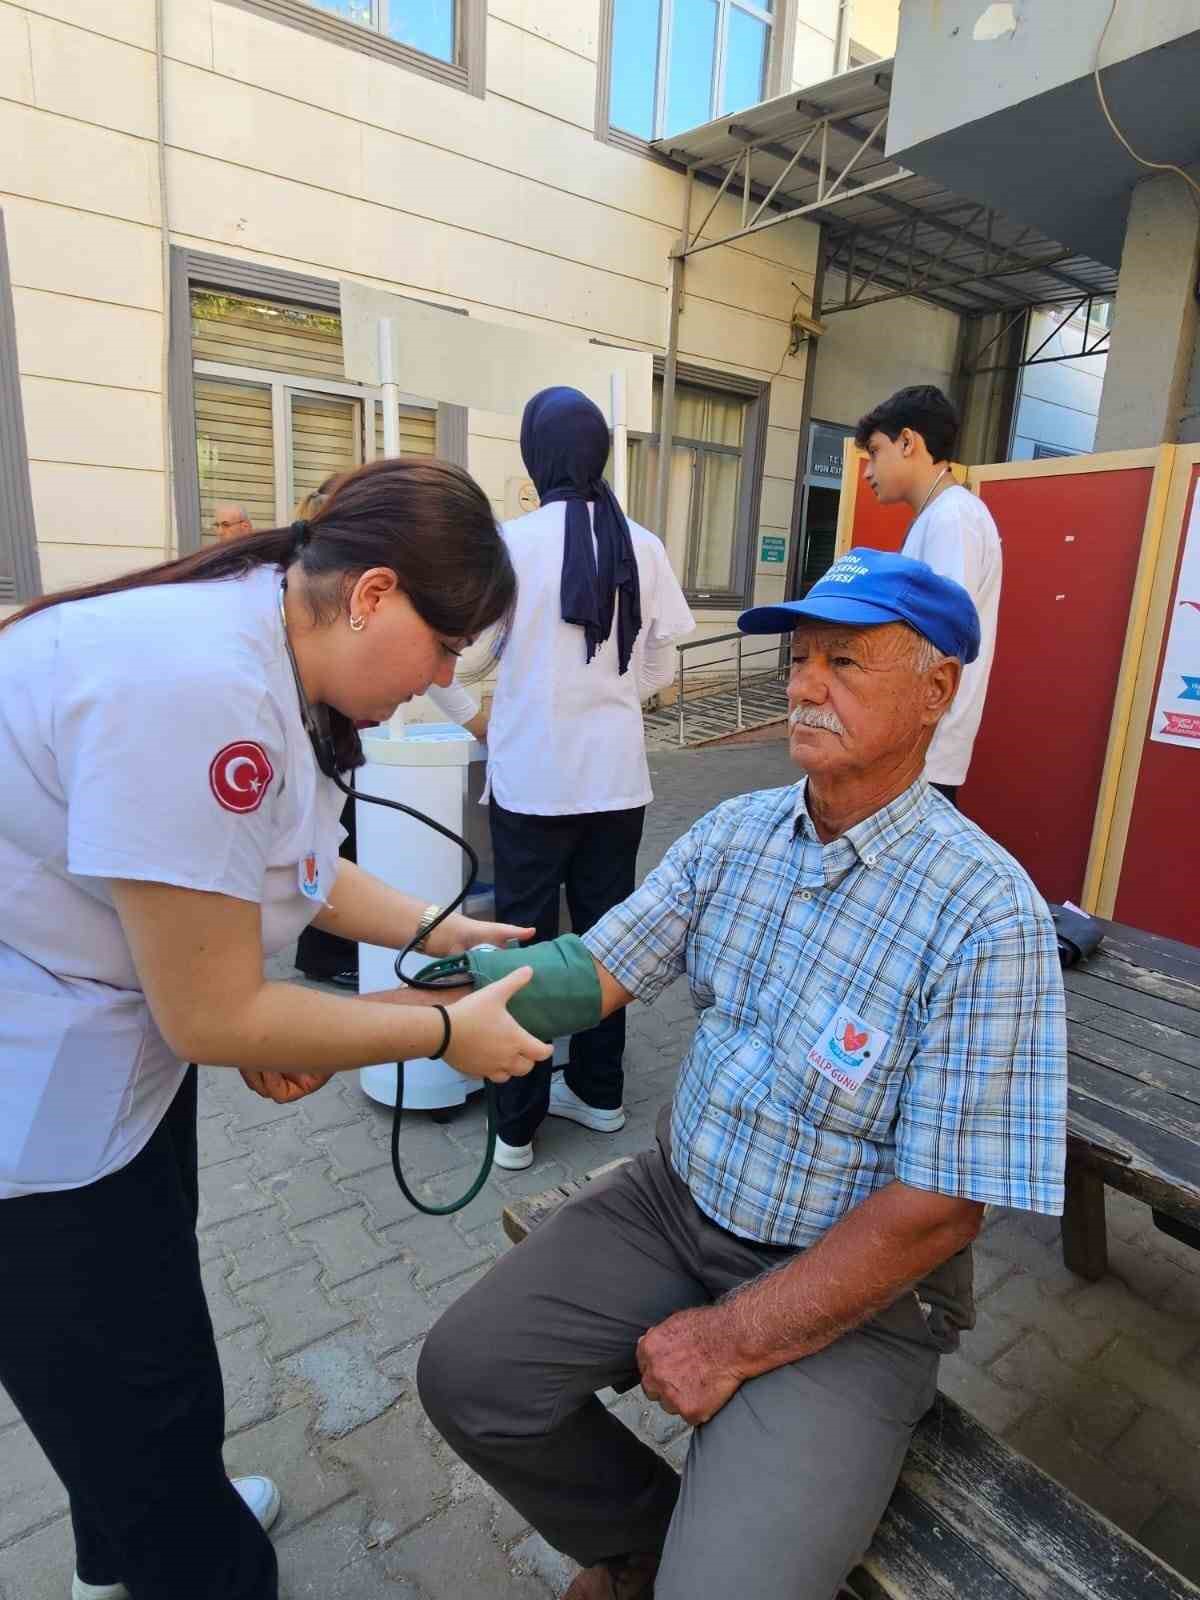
{"x": 1154, "y": 337}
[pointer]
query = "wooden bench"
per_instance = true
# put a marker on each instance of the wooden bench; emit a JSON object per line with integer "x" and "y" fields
{"x": 1133, "y": 1116}
{"x": 970, "y": 1519}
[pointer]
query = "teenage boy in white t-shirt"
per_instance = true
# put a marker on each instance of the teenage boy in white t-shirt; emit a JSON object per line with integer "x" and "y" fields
{"x": 910, "y": 441}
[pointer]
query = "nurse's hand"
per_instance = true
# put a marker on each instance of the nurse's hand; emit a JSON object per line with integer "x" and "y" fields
{"x": 485, "y": 1041}
{"x": 283, "y": 1087}
{"x": 459, "y": 933}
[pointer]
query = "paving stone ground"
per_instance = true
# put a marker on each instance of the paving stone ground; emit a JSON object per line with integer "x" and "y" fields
{"x": 323, "y": 1280}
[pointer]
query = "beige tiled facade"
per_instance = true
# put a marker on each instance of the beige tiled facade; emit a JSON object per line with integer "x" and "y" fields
{"x": 291, "y": 151}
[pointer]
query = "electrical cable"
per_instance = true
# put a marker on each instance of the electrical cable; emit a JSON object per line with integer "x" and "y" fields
{"x": 1155, "y": 166}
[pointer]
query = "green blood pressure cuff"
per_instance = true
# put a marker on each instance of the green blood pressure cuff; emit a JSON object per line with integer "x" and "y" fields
{"x": 562, "y": 997}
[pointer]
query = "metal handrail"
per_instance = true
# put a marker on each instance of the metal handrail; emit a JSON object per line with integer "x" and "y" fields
{"x": 719, "y": 638}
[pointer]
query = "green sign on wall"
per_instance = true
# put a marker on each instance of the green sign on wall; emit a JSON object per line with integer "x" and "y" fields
{"x": 773, "y": 548}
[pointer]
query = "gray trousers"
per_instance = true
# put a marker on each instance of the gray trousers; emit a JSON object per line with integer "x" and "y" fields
{"x": 782, "y": 1489}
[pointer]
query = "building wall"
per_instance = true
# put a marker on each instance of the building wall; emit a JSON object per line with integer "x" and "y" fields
{"x": 868, "y": 354}
{"x": 872, "y": 24}
{"x": 1058, "y": 403}
{"x": 992, "y": 56}
{"x": 288, "y": 150}
{"x": 876, "y": 25}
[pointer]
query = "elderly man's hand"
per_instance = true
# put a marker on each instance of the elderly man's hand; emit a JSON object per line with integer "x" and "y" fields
{"x": 284, "y": 1087}
{"x": 687, "y": 1365}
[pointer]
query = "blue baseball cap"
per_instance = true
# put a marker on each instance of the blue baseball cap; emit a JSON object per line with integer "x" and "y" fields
{"x": 866, "y": 588}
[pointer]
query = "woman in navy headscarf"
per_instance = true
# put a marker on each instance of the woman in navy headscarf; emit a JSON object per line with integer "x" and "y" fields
{"x": 597, "y": 610}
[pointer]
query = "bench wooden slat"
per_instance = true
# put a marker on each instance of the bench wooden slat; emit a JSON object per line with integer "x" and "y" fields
{"x": 1155, "y": 1041}
{"x": 520, "y": 1217}
{"x": 1147, "y": 993}
{"x": 1160, "y": 1167}
{"x": 1046, "y": 1540}
{"x": 914, "y": 1556}
{"x": 1159, "y": 1108}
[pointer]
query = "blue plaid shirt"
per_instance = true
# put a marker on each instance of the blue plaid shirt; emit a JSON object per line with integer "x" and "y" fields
{"x": 913, "y": 951}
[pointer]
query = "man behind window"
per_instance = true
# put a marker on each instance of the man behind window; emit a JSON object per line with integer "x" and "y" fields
{"x": 230, "y": 521}
{"x": 910, "y": 440}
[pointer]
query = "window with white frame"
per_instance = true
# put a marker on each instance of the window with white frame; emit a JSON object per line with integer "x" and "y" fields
{"x": 425, "y": 25}
{"x": 677, "y": 63}
{"x": 275, "y": 414}
{"x": 715, "y": 469}
{"x": 443, "y": 39}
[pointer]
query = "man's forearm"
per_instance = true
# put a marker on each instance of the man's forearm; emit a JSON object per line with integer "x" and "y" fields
{"x": 862, "y": 1265}
{"x": 613, "y": 995}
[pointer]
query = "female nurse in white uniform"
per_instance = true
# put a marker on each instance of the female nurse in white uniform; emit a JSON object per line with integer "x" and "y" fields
{"x": 164, "y": 827}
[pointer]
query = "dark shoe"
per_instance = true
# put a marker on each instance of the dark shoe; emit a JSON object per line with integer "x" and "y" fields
{"x": 621, "y": 1578}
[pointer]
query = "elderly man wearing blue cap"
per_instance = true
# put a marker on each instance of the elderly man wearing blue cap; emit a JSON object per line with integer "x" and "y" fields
{"x": 880, "y": 1052}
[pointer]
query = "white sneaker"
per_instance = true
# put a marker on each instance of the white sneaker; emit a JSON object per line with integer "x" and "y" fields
{"x": 513, "y": 1157}
{"x": 564, "y": 1102}
{"x": 260, "y": 1495}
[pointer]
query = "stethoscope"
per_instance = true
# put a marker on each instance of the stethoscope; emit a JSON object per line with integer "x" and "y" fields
{"x": 316, "y": 725}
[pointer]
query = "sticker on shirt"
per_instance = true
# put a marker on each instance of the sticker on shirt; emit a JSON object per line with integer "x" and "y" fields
{"x": 310, "y": 877}
{"x": 847, "y": 1050}
{"x": 239, "y": 774}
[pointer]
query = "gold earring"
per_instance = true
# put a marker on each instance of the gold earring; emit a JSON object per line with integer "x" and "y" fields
{"x": 357, "y": 624}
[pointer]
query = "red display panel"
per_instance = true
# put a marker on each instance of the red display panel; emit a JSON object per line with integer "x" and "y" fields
{"x": 1071, "y": 546}
{"x": 1159, "y": 888}
{"x": 877, "y": 527}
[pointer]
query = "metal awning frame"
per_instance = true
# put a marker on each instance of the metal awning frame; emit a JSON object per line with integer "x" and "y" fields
{"x": 921, "y": 272}
{"x": 832, "y": 185}
{"x": 1098, "y": 348}
{"x": 959, "y": 268}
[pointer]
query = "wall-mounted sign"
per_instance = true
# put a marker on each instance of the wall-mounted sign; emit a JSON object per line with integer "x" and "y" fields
{"x": 772, "y": 549}
{"x": 825, "y": 453}
{"x": 1177, "y": 708}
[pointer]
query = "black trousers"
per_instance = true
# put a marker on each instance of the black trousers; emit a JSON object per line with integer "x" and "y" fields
{"x": 320, "y": 954}
{"x": 107, "y": 1350}
{"x": 594, "y": 855}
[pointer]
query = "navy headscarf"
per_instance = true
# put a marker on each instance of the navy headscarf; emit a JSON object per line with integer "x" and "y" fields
{"x": 564, "y": 442}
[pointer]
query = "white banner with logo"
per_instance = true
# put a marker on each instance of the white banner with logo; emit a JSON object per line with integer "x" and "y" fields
{"x": 1177, "y": 709}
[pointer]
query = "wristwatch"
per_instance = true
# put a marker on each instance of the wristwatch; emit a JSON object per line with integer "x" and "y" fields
{"x": 428, "y": 917}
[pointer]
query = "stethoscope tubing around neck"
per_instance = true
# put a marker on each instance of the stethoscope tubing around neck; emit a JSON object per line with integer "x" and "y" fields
{"x": 929, "y": 493}
{"x": 317, "y": 730}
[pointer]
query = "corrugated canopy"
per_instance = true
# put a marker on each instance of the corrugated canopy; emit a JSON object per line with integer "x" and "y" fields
{"x": 819, "y": 154}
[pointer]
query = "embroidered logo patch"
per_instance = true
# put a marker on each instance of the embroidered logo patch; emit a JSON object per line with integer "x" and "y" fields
{"x": 847, "y": 1050}
{"x": 310, "y": 877}
{"x": 239, "y": 774}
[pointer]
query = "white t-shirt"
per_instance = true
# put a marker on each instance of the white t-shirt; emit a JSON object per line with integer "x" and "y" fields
{"x": 956, "y": 536}
{"x": 156, "y": 735}
{"x": 566, "y": 734}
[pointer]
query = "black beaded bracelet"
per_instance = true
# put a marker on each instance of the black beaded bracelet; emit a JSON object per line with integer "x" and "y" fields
{"x": 436, "y": 1055}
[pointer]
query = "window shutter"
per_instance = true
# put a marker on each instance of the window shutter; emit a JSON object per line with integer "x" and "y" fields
{"x": 234, "y": 451}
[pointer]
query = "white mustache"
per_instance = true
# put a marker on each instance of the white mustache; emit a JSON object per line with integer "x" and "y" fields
{"x": 813, "y": 717}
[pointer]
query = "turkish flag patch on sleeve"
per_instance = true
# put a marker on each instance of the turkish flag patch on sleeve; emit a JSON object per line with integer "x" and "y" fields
{"x": 239, "y": 774}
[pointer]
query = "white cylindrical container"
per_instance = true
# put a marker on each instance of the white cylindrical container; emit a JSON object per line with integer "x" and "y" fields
{"x": 436, "y": 768}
